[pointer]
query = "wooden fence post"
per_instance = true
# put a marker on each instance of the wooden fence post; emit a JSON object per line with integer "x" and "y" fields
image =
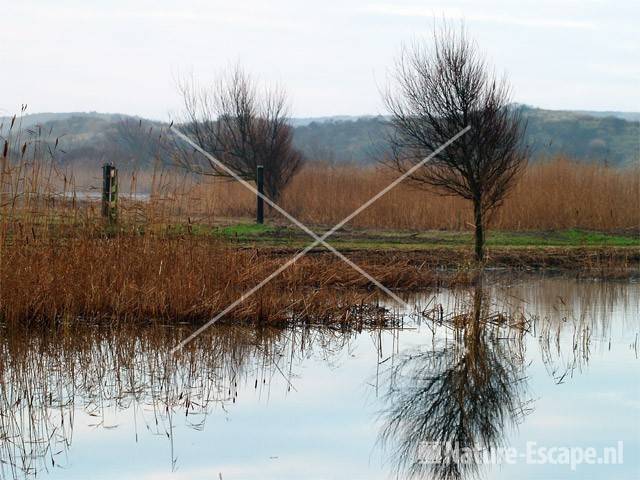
{"x": 110, "y": 193}
{"x": 260, "y": 204}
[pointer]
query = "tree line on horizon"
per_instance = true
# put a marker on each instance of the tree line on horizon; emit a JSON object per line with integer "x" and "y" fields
{"x": 91, "y": 138}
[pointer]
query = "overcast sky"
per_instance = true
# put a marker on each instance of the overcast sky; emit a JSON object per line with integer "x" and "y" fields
{"x": 332, "y": 55}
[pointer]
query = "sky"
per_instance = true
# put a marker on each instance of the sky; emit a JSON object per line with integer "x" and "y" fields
{"x": 333, "y": 57}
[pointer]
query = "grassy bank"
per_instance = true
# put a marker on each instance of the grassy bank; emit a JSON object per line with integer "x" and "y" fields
{"x": 244, "y": 232}
{"x": 573, "y": 252}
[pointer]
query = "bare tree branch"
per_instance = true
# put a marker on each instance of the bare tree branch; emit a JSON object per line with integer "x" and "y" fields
{"x": 438, "y": 90}
{"x": 242, "y": 127}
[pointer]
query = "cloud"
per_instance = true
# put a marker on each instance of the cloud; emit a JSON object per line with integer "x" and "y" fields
{"x": 248, "y": 15}
{"x": 468, "y": 15}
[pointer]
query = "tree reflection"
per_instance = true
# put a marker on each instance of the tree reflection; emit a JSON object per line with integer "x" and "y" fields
{"x": 462, "y": 394}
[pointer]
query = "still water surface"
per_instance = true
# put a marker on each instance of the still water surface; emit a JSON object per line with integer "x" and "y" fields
{"x": 327, "y": 404}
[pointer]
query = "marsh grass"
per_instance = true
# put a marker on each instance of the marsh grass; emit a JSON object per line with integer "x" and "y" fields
{"x": 192, "y": 279}
{"x": 555, "y": 194}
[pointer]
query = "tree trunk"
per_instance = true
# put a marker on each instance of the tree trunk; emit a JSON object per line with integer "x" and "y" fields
{"x": 479, "y": 236}
{"x": 477, "y": 302}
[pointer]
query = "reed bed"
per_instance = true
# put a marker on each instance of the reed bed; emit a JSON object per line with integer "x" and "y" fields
{"x": 191, "y": 279}
{"x": 555, "y": 195}
{"x": 552, "y": 195}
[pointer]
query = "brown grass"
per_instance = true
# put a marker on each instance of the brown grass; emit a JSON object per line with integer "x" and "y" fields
{"x": 191, "y": 279}
{"x": 554, "y": 195}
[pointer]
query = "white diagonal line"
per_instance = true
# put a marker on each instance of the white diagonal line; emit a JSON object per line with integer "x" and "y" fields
{"x": 317, "y": 240}
{"x": 397, "y": 181}
{"x": 291, "y": 218}
{"x": 246, "y": 295}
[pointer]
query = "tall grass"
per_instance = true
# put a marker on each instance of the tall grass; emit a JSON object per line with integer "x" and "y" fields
{"x": 193, "y": 279}
{"x": 556, "y": 194}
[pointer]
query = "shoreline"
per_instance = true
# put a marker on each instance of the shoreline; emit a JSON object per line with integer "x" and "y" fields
{"x": 193, "y": 278}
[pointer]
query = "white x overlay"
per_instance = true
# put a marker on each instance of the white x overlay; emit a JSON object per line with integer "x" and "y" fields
{"x": 318, "y": 240}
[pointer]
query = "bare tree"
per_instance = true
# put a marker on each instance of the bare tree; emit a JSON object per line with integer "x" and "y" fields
{"x": 243, "y": 127}
{"x": 439, "y": 90}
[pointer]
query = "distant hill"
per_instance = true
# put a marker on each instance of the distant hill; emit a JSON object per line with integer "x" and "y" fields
{"x": 90, "y": 137}
{"x": 611, "y": 137}
{"x": 583, "y": 136}
{"x": 32, "y": 119}
{"x": 631, "y": 116}
{"x": 357, "y": 140}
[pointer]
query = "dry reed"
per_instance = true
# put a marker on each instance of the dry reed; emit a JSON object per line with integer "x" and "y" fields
{"x": 190, "y": 279}
{"x": 552, "y": 195}
{"x": 559, "y": 194}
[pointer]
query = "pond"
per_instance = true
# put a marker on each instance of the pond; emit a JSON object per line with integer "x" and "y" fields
{"x": 530, "y": 377}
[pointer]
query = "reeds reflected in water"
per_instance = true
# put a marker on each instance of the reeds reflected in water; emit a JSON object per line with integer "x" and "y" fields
{"x": 466, "y": 382}
{"x": 46, "y": 376}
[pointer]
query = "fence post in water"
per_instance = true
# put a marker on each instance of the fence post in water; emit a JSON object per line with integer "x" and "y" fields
{"x": 110, "y": 192}
{"x": 260, "y": 205}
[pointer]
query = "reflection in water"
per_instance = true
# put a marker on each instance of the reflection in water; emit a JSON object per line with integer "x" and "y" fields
{"x": 466, "y": 384}
{"x": 466, "y": 390}
{"x": 571, "y": 318}
{"x": 461, "y": 393}
{"x": 45, "y": 377}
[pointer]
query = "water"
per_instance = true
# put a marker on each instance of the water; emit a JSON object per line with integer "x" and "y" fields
{"x": 282, "y": 404}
